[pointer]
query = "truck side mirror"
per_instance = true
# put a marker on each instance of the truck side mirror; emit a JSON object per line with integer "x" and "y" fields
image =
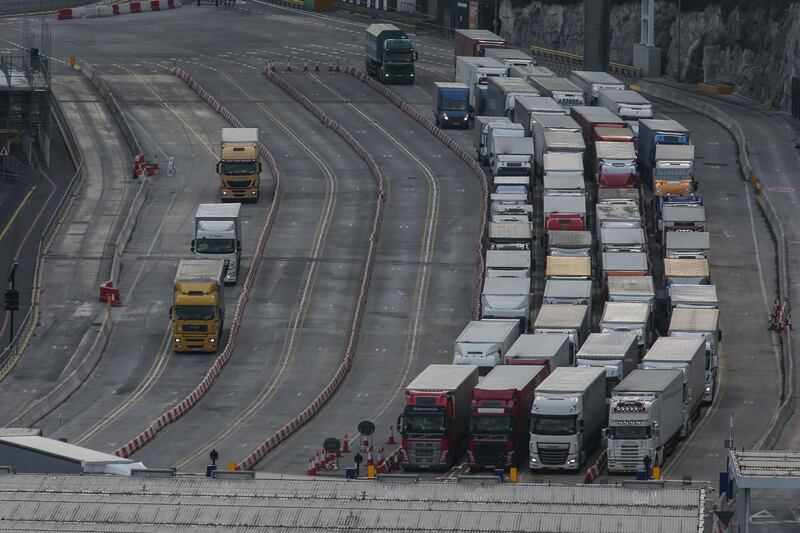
{"x": 171, "y": 309}
{"x": 219, "y": 164}
{"x": 696, "y": 185}
{"x": 194, "y": 241}
{"x": 604, "y": 433}
{"x": 238, "y": 246}
{"x": 260, "y": 166}
{"x": 399, "y": 425}
{"x": 416, "y": 55}
{"x": 719, "y": 335}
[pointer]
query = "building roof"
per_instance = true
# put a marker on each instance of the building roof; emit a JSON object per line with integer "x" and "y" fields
{"x": 766, "y": 469}
{"x": 191, "y": 503}
{"x": 60, "y": 449}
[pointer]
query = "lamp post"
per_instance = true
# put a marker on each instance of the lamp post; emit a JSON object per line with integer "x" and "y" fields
{"x": 679, "y": 41}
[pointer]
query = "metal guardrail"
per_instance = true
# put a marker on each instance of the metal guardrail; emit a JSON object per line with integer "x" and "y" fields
{"x": 565, "y": 61}
{"x": 10, "y": 355}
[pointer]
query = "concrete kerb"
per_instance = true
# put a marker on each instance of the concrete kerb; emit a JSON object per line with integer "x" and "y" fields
{"x": 286, "y": 431}
{"x": 460, "y": 153}
{"x": 215, "y": 369}
{"x": 787, "y": 407}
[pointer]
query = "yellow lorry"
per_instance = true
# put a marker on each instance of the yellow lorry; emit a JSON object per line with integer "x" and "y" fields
{"x": 239, "y": 167}
{"x": 198, "y": 310}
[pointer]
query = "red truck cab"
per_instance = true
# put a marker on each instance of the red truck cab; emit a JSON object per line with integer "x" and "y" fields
{"x": 500, "y": 416}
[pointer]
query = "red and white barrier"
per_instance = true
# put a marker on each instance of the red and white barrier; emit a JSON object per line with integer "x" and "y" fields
{"x": 461, "y": 153}
{"x": 116, "y": 9}
{"x": 65, "y": 14}
{"x": 596, "y": 469}
{"x": 213, "y": 372}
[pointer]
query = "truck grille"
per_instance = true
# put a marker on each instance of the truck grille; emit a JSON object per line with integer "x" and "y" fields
{"x": 423, "y": 453}
{"x": 629, "y": 458}
{"x": 194, "y": 328}
{"x": 557, "y": 455}
{"x": 239, "y": 184}
{"x": 490, "y": 453}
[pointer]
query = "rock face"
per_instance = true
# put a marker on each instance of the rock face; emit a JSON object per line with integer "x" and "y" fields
{"x": 752, "y": 44}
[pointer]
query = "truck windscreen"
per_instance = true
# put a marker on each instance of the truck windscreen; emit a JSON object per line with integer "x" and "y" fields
{"x": 398, "y": 56}
{"x": 490, "y": 424}
{"x": 238, "y": 168}
{"x": 215, "y": 246}
{"x": 428, "y": 423}
{"x": 553, "y": 425}
{"x": 194, "y": 312}
{"x": 454, "y": 105}
{"x": 629, "y": 432}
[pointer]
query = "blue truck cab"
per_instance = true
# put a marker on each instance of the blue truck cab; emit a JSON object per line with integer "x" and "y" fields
{"x": 451, "y": 104}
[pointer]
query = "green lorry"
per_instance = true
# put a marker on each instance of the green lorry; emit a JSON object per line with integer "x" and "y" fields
{"x": 389, "y": 55}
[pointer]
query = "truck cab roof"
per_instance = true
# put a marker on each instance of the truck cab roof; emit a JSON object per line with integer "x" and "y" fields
{"x": 599, "y": 345}
{"x": 505, "y": 377}
{"x": 648, "y": 381}
{"x": 571, "y": 379}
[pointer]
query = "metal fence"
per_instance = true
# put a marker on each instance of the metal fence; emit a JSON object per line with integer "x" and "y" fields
{"x": 10, "y": 354}
{"x": 563, "y": 62}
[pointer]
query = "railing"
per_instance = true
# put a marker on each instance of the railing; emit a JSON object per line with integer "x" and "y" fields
{"x": 566, "y": 61}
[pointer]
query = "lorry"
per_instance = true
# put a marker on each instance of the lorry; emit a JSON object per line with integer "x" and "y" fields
{"x": 562, "y": 164}
{"x": 476, "y": 42}
{"x": 564, "y": 212}
{"x": 592, "y": 82}
{"x": 652, "y": 133}
{"x": 511, "y": 185}
{"x": 435, "y": 421}
{"x": 550, "y": 350}
{"x": 511, "y": 57}
{"x": 556, "y": 184}
{"x": 617, "y": 353}
{"x": 568, "y": 267}
{"x": 544, "y": 122}
{"x": 627, "y": 104}
{"x": 563, "y": 91}
{"x": 481, "y": 133}
{"x": 617, "y": 214}
{"x": 569, "y": 412}
{"x": 218, "y": 235}
{"x": 510, "y": 156}
{"x": 614, "y": 164}
{"x": 689, "y": 356}
{"x": 606, "y": 196}
{"x": 525, "y": 107}
{"x": 555, "y": 141}
{"x": 496, "y": 131}
{"x": 569, "y": 243}
{"x": 530, "y": 71}
{"x": 568, "y": 291}
{"x": 499, "y": 426}
{"x": 631, "y": 289}
{"x": 672, "y": 172}
{"x": 389, "y": 55}
{"x": 623, "y": 240}
{"x": 687, "y": 245}
{"x": 589, "y": 118}
{"x": 644, "y": 419}
{"x": 451, "y": 104}
{"x": 474, "y": 72}
{"x": 629, "y": 317}
{"x": 485, "y": 342}
{"x": 504, "y": 212}
{"x": 508, "y": 264}
{"x": 239, "y": 167}
{"x": 572, "y": 319}
{"x": 510, "y": 236}
{"x": 198, "y": 305}
{"x": 627, "y": 264}
{"x": 501, "y": 95}
{"x": 681, "y": 218}
{"x": 686, "y": 272}
{"x": 506, "y": 298}
{"x": 693, "y": 297}
{"x": 703, "y": 324}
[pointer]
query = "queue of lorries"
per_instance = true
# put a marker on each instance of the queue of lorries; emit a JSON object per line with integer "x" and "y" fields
{"x": 549, "y": 381}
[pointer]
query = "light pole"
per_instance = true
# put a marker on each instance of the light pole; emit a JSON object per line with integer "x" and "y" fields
{"x": 679, "y": 40}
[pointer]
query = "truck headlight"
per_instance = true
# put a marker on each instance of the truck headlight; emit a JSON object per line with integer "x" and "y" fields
{"x": 571, "y": 461}
{"x": 212, "y": 340}
{"x": 534, "y": 459}
{"x": 708, "y": 389}
{"x": 444, "y": 116}
{"x": 177, "y": 341}
{"x": 224, "y": 193}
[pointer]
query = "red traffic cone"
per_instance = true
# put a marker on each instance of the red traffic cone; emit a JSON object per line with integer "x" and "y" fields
{"x": 345, "y": 444}
{"x": 271, "y": 66}
{"x": 380, "y": 455}
{"x": 369, "y": 457}
{"x": 316, "y": 67}
{"x": 305, "y": 65}
{"x": 312, "y": 470}
{"x": 288, "y": 65}
{"x": 324, "y": 460}
{"x": 390, "y": 440}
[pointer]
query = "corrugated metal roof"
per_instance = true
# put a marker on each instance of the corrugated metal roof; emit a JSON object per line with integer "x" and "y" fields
{"x": 192, "y": 503}
{"x": 778, "y": 463}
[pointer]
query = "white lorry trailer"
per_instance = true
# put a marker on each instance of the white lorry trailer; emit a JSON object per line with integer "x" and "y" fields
{"x": 510, "y": 236}
{"x": 563, "y": 91}
{"x": 568, "y": 291}
{"x": 572, "y": 319}
{"x": 703, "y": 324}
{"x": 508, "y": 264}
{"x": 509, "y": 156}
{"x": 550, "y": 350}
{"x": 506, "y": 298}
{"x": 527, "y": 106}
{"x": 481, "y": 133}
{"x": 592, "y": 82}
{"x": 569, "y": 412}
{"x": 644, "y": 419}
{"x": 687, "y": 245}
{"x": 689, "y": 356}
{"x": 617, "y": 353}
{"x": 473, "y": 71}
{"x": 218, "y": 235}
{"x": 628, "y": 317}
{"x": 498, "y": 131}
{"x": 540, "y": 123}
{"x": 485, "y": 343}
{"x": 693, "y": 297}
{"x": 560, "y": 141}
{"x": 501, "y": 94}
{"x": 511, "y": 57}
{"x": 569, "y": 243}
{"x": 631, "y": 289}
{"x": 627, "y": 104}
